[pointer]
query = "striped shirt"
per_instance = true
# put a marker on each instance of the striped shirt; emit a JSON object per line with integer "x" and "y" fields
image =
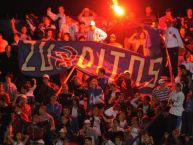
{"x": 161, "y": 94}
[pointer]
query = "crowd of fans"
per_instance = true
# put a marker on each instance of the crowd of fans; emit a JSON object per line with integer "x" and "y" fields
{"x": 91, "y": 110}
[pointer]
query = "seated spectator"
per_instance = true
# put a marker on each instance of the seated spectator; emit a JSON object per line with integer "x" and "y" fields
{"x": 119, "y": 140}
{"x": 115, "y": 127}
{"x": 3, "y": 43}
{"x": 146, "y": 139}
{"x": 88, "y": 141}
{"x": 96, "y": 34}
{"x": 62, "y": 139}
{"x": 113, "y": 41}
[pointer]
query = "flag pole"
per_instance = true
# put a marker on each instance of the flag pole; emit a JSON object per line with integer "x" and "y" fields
{"x": 66, "y": 80}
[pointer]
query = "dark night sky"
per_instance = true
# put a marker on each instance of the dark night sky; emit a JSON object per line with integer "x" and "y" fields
{"x": 102, "y": 7}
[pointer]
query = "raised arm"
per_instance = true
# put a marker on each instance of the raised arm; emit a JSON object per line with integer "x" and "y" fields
{"x": 13, "y": 28}
{"x": 53, "y": 16}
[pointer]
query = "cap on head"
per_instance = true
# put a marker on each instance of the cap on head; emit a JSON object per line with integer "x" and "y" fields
{"x": 87, "y": 121}
{"x": 92, "y": 23}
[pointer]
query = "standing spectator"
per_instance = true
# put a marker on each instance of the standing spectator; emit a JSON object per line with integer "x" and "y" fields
{"x": 49, "y": 36}
{"x": 161, "y": 92}
{"x": 95, "y": 33}
{"x": 3, "y": 43}
{"x": 87, "y": 16}
{"x": 3, "y": 94}
{"x": 82, "y": 31}
{"x": 175, "y": 112}
{"x": 60, "y": 17}
{"x": 163, "y": 20}
{"x": 173, "y": 42}
{"x": 188, "y": 22}
{"x": 102, "y": 79}
{"x": 54, "y": 108}
{"x": 149, "y": 17}
{"x": 95, "y": 94}
{"x": 23, "y": 33}
{"x": 10, "y": 87}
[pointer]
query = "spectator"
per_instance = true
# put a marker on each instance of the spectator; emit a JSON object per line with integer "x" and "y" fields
{"x": 149, "y": 17}
{"x": 20, "y": 139}
{"x": 173, "y": 42}
{"x": 187, "y": 22}
{"x": 82, "y": 31}
{"x": 3, "y": 94}
{"x": 87, "y": 16}
{"x": 60, "y": 17}
{"x": 3, "y": 43}
{"x": 96, "y": 34}
{"x": 113, "y": 41}
{"x": 49, "y": 35}
{"x": 102, "y": 79}
{"x": 62, "y": 137}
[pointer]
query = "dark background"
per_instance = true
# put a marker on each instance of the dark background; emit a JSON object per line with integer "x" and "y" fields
{"x": 17, "y": 8}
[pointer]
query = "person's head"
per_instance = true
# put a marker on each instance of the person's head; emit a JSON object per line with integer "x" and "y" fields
{"x": 116, "y": 122}
{"x": 16, "y": 37}
{"x": 1, "y": 36}
{"x": 25, "y": 87}
{"x": 66, "y": 37}
{"x": 139, "y": 113}
{"x": 183, "y": 69}
{"x": 92, "y": 25}
{"x": 93, "y": 83}
{"x": 101, "y": 72}
{"x": 75, "y": 101}
{"x": 82, "y": 26}
{"x": 122, "y": 116}
{"x": 77, "y": 81}
{"x": 23, "y": 99}
{"x": 88, "y": 141}
{"x": 118, "y": 140}
{"x": 182, "y": 31}
{"x": 134, "y": 121}
{"x": 148, "y": 10}
{"x": 18, "y": 136}
{"x": 87, "y": 124}
{"x": 161, "y": 83}
{"x": 8, "y": 78}
{"x": 146, "y": 100}
{"x": 178, "y": 87}
{"x": 168, "y": 13}
{"x": 46, "y": 20}
{"x": 82, "y": 38}
{"x": 42, "y": 109}
{"x": 46, "y": 79}
{"x": 8, "y": 49}
{"x": 66, "y": 111}
{"x": 112, "y": 86}
{"x": 68, "y": 20}
{"x": 95, "y": 111}
{"x": 63, "y": 132}
{"x": 24, "y": 30}
{"x": 53, "y": 98}
{"x": 86, "y": 12}
{"x": 127, "y": 75}
{"x": 112, "y": 38}
{"x": 142, "y": 35}
{"x": 189, "y": 12}
{"x": 61, "y": 10}
{"x": 50, "y": 33}
{"x": 65, "y": 87}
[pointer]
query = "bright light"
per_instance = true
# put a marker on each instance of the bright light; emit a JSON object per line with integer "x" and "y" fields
{"x": 118, "y": 10}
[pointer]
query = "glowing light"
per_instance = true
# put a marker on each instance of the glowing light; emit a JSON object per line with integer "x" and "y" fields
{"x": 117, "y": 8}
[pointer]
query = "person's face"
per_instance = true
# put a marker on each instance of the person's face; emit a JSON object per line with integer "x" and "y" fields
{"x": 53, "y": 99}
{"x": 112, "y": 39}
{"x": 77, "y": 81}
{"x": 82, "y": 27}
{"x": 7, "y": 79}
{"x": 66, "y": 111}
{"x": 50, "y": 33}
{"x": 182, "y": 31}
{"x": 115, "y": 123}
{"x": 93, "y": 83}
{"x": 168, "y": 14}
{"x": 183, "y": 71}
{"x": 64, "y": 120}
{"x": 63, "y": 134}
{"x": 65, "y": 87}
{"x": 95, "y": 111}
{"x": 24, "y": 30}
{"x": 68, "y": 20}
{"x": 127, "y": 76}
{"x": 178, "y": 88}
{"x": 47, "y": 21}
{"x": 18, "y": 136}
{"x": 45, "y": 80}
{"x": 66, "y": 37}
{"x": 87, "y": 125}
{"x": 87, "y": 142}
{"x": 8, "y": 49}
{"x": 118, "y": 141}
{"x": 139, "y": 114}
{"x": 42, "y": 110}
{"x": 189, "y": 12}
{"x": 23, "y": 100}
{"x": 16, "y": 38}
{"x": 61, "y": 10}
{"x": 86, "y": 13}
{"x": 142, "y": 36}
{"x": 148, "y": 10}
